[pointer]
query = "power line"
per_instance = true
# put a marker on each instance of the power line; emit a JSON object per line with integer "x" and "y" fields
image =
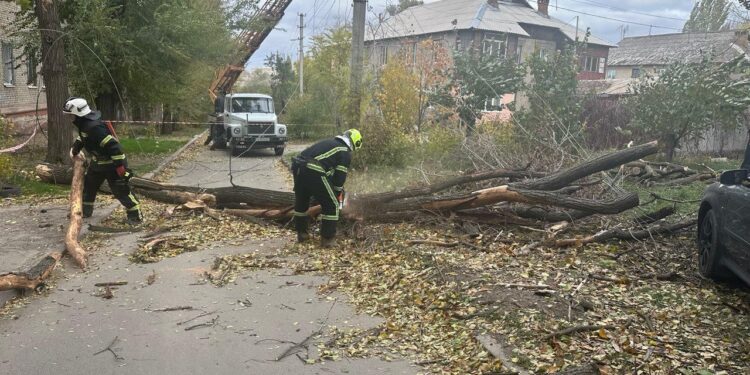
{"x": 626, "y": 10}
{"x": 620, "y": 20}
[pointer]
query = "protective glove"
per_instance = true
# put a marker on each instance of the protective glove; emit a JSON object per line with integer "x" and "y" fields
{"x": 125, "y": 173}
{"x": 340, "y": 198}
{"x": 75, "y": 156}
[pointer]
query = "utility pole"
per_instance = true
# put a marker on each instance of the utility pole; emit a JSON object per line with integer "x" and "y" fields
{"x": 301, "y": 55}
{"x": 358, "y": 52}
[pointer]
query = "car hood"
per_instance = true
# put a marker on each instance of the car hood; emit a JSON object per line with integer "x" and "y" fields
{"x": 253, "y": 117}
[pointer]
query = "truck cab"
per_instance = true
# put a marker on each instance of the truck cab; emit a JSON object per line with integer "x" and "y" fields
{"x": 248, "y": 121}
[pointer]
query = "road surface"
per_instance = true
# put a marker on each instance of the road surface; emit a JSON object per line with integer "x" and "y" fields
{"x": 252, "y": 321}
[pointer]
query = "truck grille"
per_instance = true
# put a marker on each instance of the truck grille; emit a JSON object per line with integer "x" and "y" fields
{"x": 259, "y": 128}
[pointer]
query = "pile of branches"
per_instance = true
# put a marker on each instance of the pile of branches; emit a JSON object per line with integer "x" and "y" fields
{"x": 518, "y": 197}
{"x": 651, "y": 173}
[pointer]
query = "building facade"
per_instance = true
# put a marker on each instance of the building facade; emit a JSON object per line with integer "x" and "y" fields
{"x": 508, "y": 29}
{"x": 22, "y": 96}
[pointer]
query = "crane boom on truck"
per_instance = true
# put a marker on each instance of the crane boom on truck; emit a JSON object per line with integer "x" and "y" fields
{"x": 247, "y": 120}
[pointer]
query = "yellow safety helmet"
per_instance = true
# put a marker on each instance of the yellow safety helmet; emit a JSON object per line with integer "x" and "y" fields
{"x": 355, "y": 136}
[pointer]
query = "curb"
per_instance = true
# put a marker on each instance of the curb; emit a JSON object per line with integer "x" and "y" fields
{"x": 10, "y": 294}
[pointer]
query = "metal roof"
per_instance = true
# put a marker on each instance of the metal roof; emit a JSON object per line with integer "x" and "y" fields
{"x": 447, "y": 15}
{"x": 670, "y": 48}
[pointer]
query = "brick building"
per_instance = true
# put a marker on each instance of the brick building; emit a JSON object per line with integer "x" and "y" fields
{"x": 22, "y": 84}
{"x": 504, "y": 28}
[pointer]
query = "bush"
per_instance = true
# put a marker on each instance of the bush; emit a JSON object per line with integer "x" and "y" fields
{"x": 441, "y": 144}
{"x": 384, "y": 144}
{"x": 6, "y": 161}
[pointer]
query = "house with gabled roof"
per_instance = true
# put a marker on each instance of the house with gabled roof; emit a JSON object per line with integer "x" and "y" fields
{"x": 503, "y": 28}
{"x": 650, "y": 55}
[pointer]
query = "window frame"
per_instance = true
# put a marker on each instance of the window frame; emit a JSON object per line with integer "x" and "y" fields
{"x": 8, "y": 66}
{"x": 498, "y": 41}
{"x": 31, "y": 72}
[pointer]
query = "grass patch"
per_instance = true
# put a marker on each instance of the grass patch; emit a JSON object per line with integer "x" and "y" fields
{"x": 30, "y": 186}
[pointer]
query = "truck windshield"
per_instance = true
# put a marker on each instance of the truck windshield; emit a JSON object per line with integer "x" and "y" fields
{"x": 252, "y": 105}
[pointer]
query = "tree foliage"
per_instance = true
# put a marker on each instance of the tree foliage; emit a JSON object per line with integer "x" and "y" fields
{"x": 708, "y": 15}
{"x": 554, "y": 106}
{"x": 283, "y": 79}
{"x": 689, "y": 99}
{"x": 402, "y": 5}
{"x": 475, "y": 79}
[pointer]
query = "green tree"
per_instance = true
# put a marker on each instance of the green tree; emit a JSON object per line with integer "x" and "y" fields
{"x": 402, "y": 5}
{"x": 689, "y": 99}
{"x": 708, "y": 15}
{"x": 283, "y": 79}
{"x": 554, "y": 106}
{"x": 476, "y": 79}
{"x": 258, "y": 81}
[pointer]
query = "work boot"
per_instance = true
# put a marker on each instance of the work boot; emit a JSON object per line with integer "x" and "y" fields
{"x": 87, "y": 211}
{"x": 135, "y": 217}
{"x": 303, "y": 237}
{"x": 327, "y": 243}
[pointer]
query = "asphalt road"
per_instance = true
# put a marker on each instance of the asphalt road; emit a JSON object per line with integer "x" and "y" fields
{"x": 253, "y": 320}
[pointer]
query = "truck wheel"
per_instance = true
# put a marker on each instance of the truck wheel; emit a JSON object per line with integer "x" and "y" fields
{"x": 220, "y": 141}
{"x": 278, "y": 150}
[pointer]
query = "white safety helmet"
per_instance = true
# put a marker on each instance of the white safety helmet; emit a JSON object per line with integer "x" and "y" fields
{"x": 77, "y": 106}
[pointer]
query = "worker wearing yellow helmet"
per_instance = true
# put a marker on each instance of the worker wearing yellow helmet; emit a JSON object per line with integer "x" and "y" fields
{"x": 320, "y": 172}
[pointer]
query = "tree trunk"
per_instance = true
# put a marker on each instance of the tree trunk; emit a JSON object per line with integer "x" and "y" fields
{"x": 76, "y": 216}
{"x": 670, "y": 145}
{"x": 107, "y": 105}
{"x": 32, "y": 279}
{"x": 59, "y": 128}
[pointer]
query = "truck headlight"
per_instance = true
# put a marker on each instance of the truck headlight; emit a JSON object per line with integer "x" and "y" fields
{"x": 237, "y": 131}
{"x": 282, "y": 131}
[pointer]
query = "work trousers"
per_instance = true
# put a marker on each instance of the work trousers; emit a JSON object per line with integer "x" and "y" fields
{"x": 95, "y": 176}
{"x": 310, "y": 184}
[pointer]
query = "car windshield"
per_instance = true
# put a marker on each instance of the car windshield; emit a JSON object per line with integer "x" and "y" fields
{"x": 252, "y": 105}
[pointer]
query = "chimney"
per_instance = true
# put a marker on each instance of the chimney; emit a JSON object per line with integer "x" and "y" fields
{"x": 543, "y": 6}
{"x": 493, "y": 3}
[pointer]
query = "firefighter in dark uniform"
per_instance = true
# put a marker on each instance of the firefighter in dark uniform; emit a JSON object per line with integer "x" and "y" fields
{"x": 107, "y": 159}
{"x": 320, "y": 172}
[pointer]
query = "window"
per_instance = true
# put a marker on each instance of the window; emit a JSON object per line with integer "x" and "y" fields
{"x": 611, "y": 73}
{"x": 636, "y": 73}
{"x": 31, "y": 75}
{"x": 494, "y": 45}
{"x": 590, "y": 64}
{"x": 9, "y": 75}
{"x": 543, "y": 54}
{"x": 383, "y": 55}
{"x": 252, "y": 105}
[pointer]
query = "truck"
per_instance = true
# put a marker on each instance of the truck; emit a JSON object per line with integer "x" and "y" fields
{"x": 244, "y": 121}
{"x": 247, "y": 121}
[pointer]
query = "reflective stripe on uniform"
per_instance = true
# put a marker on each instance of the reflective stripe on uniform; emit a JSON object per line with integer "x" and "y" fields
{"x": 333, "y": 199}
{"x": 106, "y": 140}
{"x": 132, "y": 198}
{"x": 331, "y": 153}
{"x": 316, "y": 168}
{"x": 78, "y": 138}
{"x": 134, "y": 208}
{"x": 342, "y": 168}
{"x": 300, "y": 214}
{"x": 103, "y": 162}
{"x": 338, "y": 189}
{"x": 118, "y": 157}
{"x": 88, "y": 203}
{"x": 330, "y": 218}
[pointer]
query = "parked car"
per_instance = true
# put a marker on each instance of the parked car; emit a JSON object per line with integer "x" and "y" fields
{"x": 724, "y": 227}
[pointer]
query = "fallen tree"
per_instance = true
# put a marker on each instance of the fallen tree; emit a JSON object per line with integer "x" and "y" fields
{"x": 34, "y": 278}
{"x": 553, "y": 190}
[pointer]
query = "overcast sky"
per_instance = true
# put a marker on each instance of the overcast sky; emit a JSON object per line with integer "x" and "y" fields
{"x": 666, "y": 16}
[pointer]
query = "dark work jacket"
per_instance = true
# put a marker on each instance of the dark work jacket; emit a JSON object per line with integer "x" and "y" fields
{"x": 99, "y": 142}
{"x": 330, "y": 157}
